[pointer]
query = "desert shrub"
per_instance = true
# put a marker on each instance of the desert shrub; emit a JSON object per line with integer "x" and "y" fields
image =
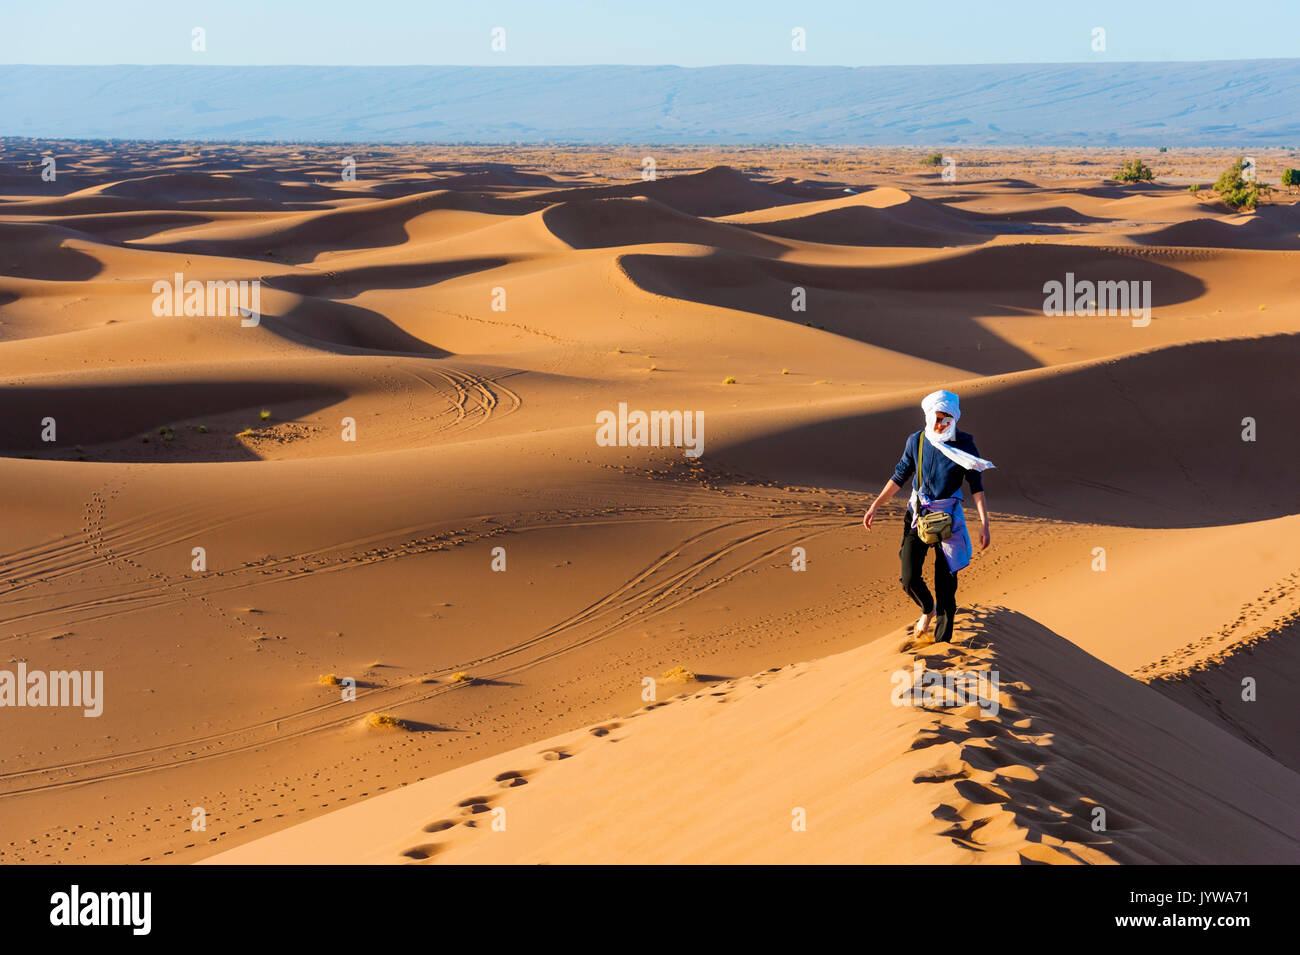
{"x": 933, "y": 159}
{"x": 1194, "y": 188}
{"x": 1236, "y": 192}
{"x": 1135, "y": 170}
{"x": 1291, "y": 177}
{"x": 384, "y": 721}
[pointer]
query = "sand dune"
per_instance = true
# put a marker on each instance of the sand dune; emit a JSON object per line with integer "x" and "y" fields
{"x": 302, "y": 237}
{"x": 177, "y": 188}
{"x": 435, "y": 341}
{"x": 883, "y": 217}
{"x": 1263, "y": 652}
{"x": 1072, "y": 744}
{"x": 719, "y": 191}
{"x": 606, "y": 223}
{"x": 1268, "y": 228}
{"x": 1148, "y": 416}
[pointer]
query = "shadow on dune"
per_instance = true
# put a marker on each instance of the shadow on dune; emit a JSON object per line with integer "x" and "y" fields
{"x": 322, "y": 323}
{"x": 38, "y": 251}
{"x": 1140, "y": 441}
{"x": 719, "y": 191}
{"x": 1270, "y": 720}
{"x": 856, "y": 221}
{"x": 492, "y": 174}
{"x": 1119, "y": 190}
{"x": 807, "y": 191}
{"x": 88, "y": 204}
{"x": 927, "y": 309}
{"x": 604, "y": 223}
{"x": 1270, "y": 228}
{"x": 98, "y": 414}
{"x": 350, "y": 282}
{"x": 27, "y": 181}
{"x": 179, "y": 188}
{"x": 488, "y": 178}
{"x": 1049, "y": 214}
{"x": 319, "y": 318}
{"x": 129, "y": 226}
{"x": 384, "y": 223}
{"x": 1006, "y": 182}
{"x": 1112, "y": 765}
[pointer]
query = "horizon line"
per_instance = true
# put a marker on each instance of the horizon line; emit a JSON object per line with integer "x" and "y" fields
{"x": 673, "y": 66}
{"x": 589, "y": 144}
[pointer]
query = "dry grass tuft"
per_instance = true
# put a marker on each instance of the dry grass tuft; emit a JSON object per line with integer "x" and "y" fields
{"x": 384, "y": 721}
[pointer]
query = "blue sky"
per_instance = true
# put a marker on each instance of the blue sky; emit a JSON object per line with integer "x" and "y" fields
{"x": 680, "y": 32}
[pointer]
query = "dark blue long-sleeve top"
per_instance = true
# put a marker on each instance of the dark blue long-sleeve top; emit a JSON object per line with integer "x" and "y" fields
{"x": 941, "y": 476}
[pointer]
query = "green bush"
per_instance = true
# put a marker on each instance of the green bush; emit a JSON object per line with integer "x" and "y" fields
{"x": 1135, "y": 170}
{"x": 1236, "y": 192}
{"x": 1291, "y": 177}
{"x": 1194, "y": 188}
{"x": 934, "y": 159}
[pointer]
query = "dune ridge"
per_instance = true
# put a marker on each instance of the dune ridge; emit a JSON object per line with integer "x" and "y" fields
{"x": 1078, "y": 764}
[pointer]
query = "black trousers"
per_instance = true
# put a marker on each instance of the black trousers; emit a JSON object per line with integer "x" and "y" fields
{"x": 912, "y": 560}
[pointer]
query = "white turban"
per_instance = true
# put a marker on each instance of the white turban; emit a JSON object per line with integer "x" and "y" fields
{"x": 948, "y": 402}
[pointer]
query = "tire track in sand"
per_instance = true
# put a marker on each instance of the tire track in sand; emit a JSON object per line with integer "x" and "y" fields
{"x": 668, "y": 581}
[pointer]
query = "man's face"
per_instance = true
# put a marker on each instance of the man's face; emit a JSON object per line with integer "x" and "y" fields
{"x": 941, "y": 421}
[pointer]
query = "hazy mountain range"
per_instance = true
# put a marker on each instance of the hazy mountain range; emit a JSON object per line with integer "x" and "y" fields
{"x": 1249, "y": 102}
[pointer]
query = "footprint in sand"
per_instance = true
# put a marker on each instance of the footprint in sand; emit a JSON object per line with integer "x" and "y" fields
{"x": 421, "y": 852}
{"x": 1007, "y": 753}
{"x": 1046, "y": 855}
{"x": 945, "y": 771}
{"x": 963, "y": 832}
{"x": 937, "y": 735}
{"x": 975, "y": 792}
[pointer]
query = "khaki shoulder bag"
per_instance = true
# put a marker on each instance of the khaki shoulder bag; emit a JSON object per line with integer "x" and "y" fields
{"x": 931, "y": 526}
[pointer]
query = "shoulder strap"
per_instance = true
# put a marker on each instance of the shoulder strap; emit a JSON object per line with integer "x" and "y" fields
{"x": 920, "y": 458}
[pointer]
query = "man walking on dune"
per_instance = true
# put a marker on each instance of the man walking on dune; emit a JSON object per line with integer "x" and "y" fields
{"x": 934, "y": 516}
